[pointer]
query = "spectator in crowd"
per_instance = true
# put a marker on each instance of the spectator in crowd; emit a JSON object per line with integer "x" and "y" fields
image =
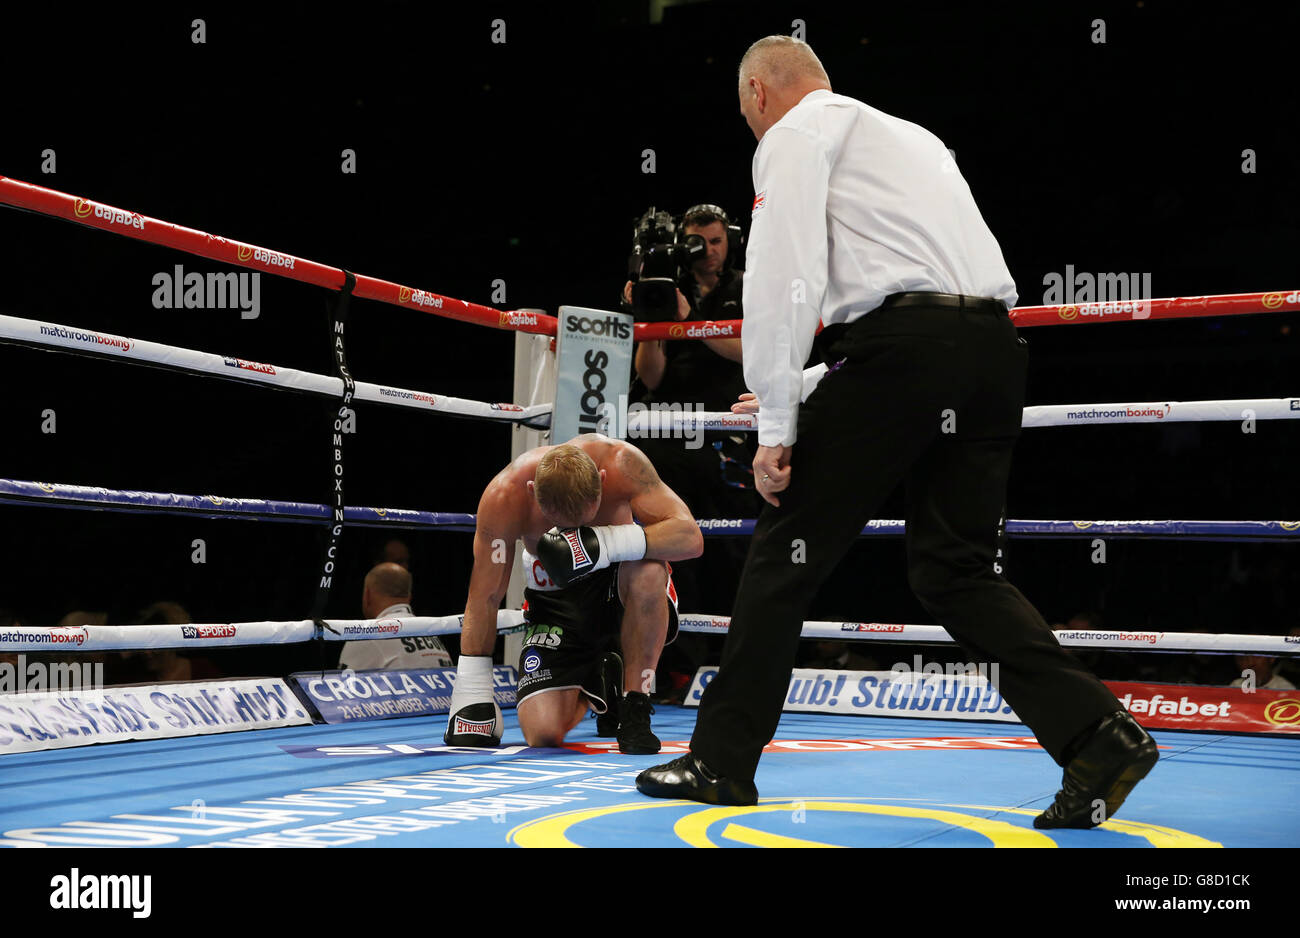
{"x": 1262, "y": 670}
{"x": 162, "y": 665}
{"x": 395, "y": 551}
{"x": 387, "y": 595}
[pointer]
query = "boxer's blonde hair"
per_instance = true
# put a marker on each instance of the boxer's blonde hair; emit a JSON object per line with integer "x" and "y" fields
{"x": 567, "y": 483}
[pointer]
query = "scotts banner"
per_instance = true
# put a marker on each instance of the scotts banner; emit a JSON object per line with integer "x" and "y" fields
{"x": 594, "y": 368}
{"x": 966, "y": 696}
{"x": 361, "y": 696}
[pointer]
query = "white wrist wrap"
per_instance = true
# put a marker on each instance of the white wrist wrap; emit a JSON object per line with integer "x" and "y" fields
{"x": 473, "y": 680}
{"x": 621, "y": 542}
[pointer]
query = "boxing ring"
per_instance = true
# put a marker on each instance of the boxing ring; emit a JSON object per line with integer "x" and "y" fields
{"x": 828, "y": 778}
{"x": 827, "y": 781}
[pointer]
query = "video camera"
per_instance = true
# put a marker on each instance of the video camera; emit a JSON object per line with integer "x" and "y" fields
{"x": 659, "y": 257}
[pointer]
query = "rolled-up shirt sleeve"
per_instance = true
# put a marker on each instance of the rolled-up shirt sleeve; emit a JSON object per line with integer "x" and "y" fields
{"x": 785, "y": 275}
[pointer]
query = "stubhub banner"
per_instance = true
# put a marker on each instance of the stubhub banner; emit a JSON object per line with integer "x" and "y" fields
{"x": 30, "y": 722}
{"x": 884, "y": 693}
{"x": 360, "y": 696}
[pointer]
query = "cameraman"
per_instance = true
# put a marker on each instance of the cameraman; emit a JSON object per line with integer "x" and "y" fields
{"x": 714, "y": 479}
{"x": 707, "y": 371}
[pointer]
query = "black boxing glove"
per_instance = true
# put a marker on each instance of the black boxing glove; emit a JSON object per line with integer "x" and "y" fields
{"x": 569, "y": 554}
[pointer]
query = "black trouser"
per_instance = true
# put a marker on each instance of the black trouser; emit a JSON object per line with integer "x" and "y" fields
{"x": 931, "y": 397}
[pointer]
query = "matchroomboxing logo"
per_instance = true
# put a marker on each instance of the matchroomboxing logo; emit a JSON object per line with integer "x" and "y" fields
{"x": 1146, "y": 638}
{"x": 409, "y": 396}
{"x": 90, "y": 338}
{"x": 387, "y": 627}
{"x": 1124, "y": 411}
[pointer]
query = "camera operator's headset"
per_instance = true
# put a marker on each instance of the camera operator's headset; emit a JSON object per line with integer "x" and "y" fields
{"x": 734, "y": 238}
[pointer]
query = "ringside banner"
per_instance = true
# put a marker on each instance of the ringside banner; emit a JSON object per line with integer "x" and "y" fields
{"x": 594, "y": 366}
{"x": 30, "y": 722}
{"x": 972, "y": 697}
{"x": 362, "y": 696}
{"x": 1216, "y": 709}
{"x": 884, "y": 693}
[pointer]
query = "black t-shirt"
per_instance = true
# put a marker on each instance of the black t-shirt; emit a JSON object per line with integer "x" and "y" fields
{"x": 694, "y": 373}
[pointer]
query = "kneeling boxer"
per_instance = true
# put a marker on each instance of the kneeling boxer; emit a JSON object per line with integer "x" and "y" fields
{"x": 592, "y": 576}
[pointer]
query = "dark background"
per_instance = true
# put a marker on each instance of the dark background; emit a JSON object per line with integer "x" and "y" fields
{"x": 522, "y": 161}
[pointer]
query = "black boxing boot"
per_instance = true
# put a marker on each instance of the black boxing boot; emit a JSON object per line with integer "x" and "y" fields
{"x": 634, "y": 735}
{"x": 609, "y": 685}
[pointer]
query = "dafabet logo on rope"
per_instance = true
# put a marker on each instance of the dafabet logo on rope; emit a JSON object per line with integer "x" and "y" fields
{"x": 824, "y": 822}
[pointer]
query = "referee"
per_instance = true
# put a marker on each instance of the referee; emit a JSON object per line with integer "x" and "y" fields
{"x": 862, "y": 221}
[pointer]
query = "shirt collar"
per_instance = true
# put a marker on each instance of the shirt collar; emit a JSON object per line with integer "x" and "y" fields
{"x": 813, "y": 92}
{"x": 395, "y": 611}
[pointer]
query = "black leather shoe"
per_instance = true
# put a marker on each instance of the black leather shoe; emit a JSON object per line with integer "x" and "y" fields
{"x": 1107, "y": 765}
{"x": 688, "y": 777}
{"x": 609, "y": 676}
{"x": 634, "y": 735}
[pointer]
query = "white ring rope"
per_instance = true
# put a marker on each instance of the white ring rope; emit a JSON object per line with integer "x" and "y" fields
{"x": 230, "y": 634}
{"x": 89, "y": 341}
{"x": 125, "y": 637}
{"x": 670, "y": 420}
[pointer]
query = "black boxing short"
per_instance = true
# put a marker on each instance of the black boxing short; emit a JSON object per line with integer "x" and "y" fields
{"x": 567, "y": 630}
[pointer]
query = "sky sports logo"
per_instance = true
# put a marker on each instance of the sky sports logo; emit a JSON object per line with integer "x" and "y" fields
{"x": 249, "y": 366}
{"x": 208, "y": 631}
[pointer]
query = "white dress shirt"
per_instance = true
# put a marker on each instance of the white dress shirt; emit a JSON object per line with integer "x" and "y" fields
{"x": 391, "y": 654}
{"x": 850, "y": 206}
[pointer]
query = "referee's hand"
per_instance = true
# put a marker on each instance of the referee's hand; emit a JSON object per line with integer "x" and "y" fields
{"x": 772, "y": 472}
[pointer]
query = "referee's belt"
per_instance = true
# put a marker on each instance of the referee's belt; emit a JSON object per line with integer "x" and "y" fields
{"x": 974, "y": 304}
